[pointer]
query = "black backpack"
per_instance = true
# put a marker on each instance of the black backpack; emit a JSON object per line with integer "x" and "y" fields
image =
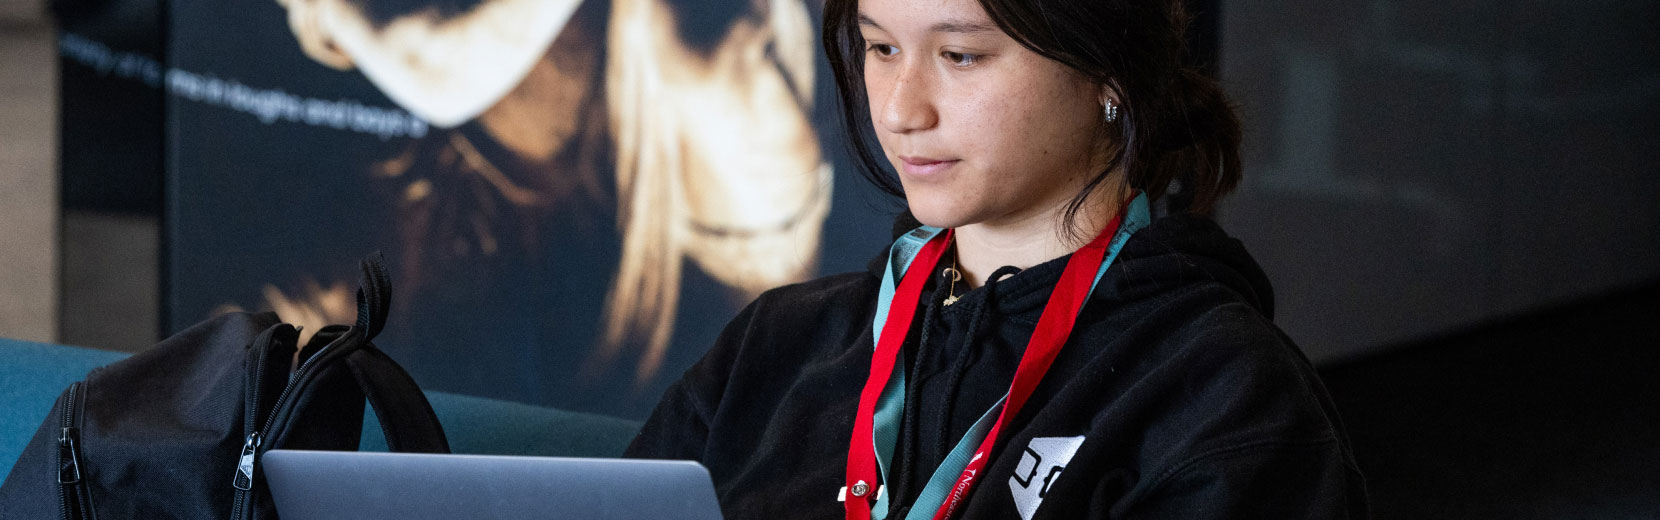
{"x": 176, "y": 431}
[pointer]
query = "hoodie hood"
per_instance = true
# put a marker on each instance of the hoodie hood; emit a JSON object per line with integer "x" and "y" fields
{"x": 1181, "y": 249}
{"x": 1172, "y": 251}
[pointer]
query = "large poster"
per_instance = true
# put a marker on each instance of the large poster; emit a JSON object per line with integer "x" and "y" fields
{"x": 575, "y": 196}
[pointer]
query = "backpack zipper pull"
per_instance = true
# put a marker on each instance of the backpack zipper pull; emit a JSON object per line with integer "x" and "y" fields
{"x": 70, "y": 471}
{"x": 245, "y": 464}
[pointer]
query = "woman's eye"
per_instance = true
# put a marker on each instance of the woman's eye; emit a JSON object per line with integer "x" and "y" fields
{"x": 882, "y": 49}
{"x": 960, "y": 59}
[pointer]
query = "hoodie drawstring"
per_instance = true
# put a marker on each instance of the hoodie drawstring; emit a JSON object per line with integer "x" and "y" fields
{"x": 930, "y": 314}
{"x": 969, "y": 354}
{"x": 959, "y": 368}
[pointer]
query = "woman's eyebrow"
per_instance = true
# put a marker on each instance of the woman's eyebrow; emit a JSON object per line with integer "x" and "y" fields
{"x": 962, "y": 26}
{"x": 947, "y": 26}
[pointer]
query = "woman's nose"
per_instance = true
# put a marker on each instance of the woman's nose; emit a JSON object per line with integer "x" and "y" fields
{"x": 909, "y": 106}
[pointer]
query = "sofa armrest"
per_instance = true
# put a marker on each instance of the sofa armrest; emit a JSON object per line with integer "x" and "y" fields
{"x": 31, "y": 377}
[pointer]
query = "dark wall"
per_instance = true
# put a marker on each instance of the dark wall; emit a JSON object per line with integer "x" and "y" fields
{"x": 1416, "y": 167}
{"x": 111, "y": 116}
{"x": 110, "y": 164}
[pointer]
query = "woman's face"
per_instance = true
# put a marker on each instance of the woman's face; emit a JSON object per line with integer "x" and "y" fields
{"x": 980, "y": 129}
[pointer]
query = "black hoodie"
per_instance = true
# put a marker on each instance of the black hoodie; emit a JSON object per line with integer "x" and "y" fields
{"x": 1174, "y": 397}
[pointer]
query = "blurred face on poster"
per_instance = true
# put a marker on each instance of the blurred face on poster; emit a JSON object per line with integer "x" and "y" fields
{"x": 715, "y": 158}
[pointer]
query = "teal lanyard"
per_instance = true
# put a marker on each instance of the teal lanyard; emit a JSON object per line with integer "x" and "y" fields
{"x": 891, "y": 405}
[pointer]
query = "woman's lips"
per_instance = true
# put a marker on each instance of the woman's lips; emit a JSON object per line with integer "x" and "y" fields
{"x": 923, "y": 166}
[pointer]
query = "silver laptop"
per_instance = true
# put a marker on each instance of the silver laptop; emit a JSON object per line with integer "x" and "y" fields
{"x": 315, "y": 485}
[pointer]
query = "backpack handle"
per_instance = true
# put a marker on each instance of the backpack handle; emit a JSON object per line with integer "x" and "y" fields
{"x": 405, "y": 415}
{"x": 374, "y": 296}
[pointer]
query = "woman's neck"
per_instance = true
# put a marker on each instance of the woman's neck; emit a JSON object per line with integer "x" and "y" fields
{"x": 1027, "y": 240}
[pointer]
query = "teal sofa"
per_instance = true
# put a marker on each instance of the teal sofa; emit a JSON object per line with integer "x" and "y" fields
{"x": 33, "y": 374}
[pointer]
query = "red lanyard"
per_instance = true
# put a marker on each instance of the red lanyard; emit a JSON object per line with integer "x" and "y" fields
{"x": 1054, "y": 326}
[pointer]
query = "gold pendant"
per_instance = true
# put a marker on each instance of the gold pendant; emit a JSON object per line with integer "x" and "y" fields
{"x": 954, "y": 275}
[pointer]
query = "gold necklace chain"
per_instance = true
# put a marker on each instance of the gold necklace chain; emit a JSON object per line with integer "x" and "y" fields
{"x": 954, "y": 274}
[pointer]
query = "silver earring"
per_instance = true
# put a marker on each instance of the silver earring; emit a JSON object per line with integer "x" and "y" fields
{"x": 1111, "y": 112}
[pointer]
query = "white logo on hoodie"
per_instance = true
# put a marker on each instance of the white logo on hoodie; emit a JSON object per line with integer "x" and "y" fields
{"x": 1039, "y": 466}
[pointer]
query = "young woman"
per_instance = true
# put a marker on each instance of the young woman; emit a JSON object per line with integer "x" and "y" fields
{"x": 1040, "y": 346}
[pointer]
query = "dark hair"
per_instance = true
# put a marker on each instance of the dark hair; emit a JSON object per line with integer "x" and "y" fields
{"x": 1178, "y": 134}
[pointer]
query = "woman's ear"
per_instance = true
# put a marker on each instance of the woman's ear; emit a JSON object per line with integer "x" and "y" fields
{"x": 1109, "y": 92}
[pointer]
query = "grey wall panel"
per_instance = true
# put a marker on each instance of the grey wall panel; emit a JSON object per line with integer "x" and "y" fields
{"x": 1413, "y": 168}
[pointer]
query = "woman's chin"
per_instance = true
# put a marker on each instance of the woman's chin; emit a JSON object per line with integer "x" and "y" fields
{"x": 940, "y": 216}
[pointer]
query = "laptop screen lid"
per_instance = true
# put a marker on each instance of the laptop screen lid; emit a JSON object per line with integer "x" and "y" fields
{"x": 315, "y": 485}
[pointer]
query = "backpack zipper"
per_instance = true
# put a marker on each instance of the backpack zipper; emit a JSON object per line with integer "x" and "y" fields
{"x": 74, "y": 497}
{"x": 242, "y": 507}
{"x": 243, "y": 481}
